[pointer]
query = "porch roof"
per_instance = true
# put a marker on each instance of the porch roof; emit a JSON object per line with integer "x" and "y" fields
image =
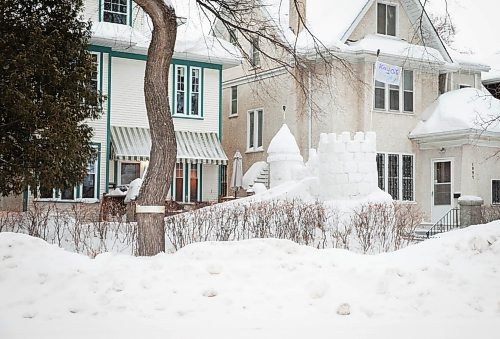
{"x": 134, "y": 143}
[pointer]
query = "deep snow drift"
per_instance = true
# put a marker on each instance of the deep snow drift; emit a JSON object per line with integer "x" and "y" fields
{"x": 442, "y": 288}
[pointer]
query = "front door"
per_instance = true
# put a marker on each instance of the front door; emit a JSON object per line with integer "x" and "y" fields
{"x": 441, "y": 188}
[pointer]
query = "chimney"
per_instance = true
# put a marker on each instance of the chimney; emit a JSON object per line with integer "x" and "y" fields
{"x": 297, "y": 15}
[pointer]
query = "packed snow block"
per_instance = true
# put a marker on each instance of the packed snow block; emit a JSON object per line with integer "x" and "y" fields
{"x": 353, "y": 146}
{"x": 359, "y": 136}
{"x": 342, "y": 178}
{"x": 345, "y": 137}
{"x": 351, "y": 167}
{"x": 368, "y": 147}
{"x": 338, "y": 146}
{"x": 355, "y": 178}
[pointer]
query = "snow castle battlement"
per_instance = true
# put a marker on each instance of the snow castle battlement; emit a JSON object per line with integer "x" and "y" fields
{"x": 346, "y": 167}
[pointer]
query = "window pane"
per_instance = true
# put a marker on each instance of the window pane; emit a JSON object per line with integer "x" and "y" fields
{"x": 259, "y": 129}
{"x": 391, "y": 20}
{"x": 408, "y": 178}
{"x": 393, "y": 176}
{"x": 495, "y": 191}
{"x": 251, "y": 130}
{"x": 193, "y": 183}
{"x": 442, "y": 172}
{"x": 234, "y": 100}
{"x": 394, "y": 99}
{"x": 179, "y": 181}
{"x": 223, "y": 180}
{"x": 381, "y": 16}
{"x": 129, "y": 172}
{"x": 442, "y": 194}
{"x": 68, "y": 194}
{"x": 255, "y": 52}
{"x": 408, "y": 100}
{"x": 408, "y": 80}
{"x": 46, "y": 193}
{"x": 381, "y": 171}
{"x": 195, "y": 103}
{"x": 379, "y": 98}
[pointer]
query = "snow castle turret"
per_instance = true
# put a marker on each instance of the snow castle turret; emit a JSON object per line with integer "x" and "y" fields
{"x": 283, "y": 157}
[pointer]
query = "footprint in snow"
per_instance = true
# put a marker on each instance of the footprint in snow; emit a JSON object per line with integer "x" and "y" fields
{"x": 210, "y": 293}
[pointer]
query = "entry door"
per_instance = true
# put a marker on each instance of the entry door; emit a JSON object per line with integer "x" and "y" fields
{"x": 441, "y": 188}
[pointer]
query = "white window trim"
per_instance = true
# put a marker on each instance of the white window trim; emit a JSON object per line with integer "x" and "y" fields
{"x": 401, "y": 109}
{"x": 231, "y": 114}
{"x": 186, "y": 74}
{"x": 491, "y": 192}
{"x": 128, "y": 14}
{"x": 200, "y": 77}
{"x": 98, "y": 64}
{"x": 252, "y": 50}
{"x": 255, "y": 148}
{"x": 186, "y": 194}
{"x": 400, "y": 174}
{"x": 390, "y": 3}
{"x": 96, "y": 183}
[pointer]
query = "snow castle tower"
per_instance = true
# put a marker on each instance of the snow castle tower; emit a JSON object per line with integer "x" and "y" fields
{"x": 283, "y": 157}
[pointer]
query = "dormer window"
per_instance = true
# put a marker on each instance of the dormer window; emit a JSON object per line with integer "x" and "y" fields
{"x": 386, "y": 19}
{"x": 115, "y": 11}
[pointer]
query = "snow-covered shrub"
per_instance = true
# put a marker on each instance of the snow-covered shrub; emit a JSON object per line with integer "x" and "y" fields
{"x": 490, "y": 213}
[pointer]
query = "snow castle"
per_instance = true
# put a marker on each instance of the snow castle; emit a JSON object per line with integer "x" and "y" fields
{"x": 344, "y": 167}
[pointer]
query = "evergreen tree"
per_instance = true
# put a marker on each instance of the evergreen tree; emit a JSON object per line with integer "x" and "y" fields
{"x": 46, "y": 95}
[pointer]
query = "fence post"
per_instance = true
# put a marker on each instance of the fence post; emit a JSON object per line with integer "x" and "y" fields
{"x": 470, "y": 210}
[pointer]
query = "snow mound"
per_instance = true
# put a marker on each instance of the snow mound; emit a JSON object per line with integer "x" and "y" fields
{"x": 253, "y": 173}
{"x": 264, "y": 288}
{"x": 460, "y": 110}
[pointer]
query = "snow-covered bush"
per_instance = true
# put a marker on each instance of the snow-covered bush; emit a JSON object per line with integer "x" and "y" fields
{"x": 490, "y": 213}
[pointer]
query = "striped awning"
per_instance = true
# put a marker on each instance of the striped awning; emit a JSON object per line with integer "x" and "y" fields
{"x": 134, "y": 143}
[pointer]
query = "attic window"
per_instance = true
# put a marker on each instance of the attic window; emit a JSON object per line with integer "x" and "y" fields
{"x": 386, "y": 19}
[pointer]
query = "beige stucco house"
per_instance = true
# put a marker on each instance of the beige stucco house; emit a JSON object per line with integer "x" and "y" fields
{"x": 433, "y": 169}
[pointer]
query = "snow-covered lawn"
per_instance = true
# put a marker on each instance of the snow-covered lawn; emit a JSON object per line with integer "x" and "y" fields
{"x": 441, "y": 288}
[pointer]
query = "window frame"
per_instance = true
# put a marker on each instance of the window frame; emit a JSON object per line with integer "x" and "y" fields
{"x": 199, "y": 92}
{"x": 186, "y": 183}
{"x": 176, "y": 90}
{"x": 255, "y": 133}
{"x": 120, "y": 164}
{"x": 233, "y": 99}
{"x": 127, "y": 14}
{"x": 401, "y": 94}
{"x": 96, "y": 182}
{"x": 255, "y": 61}
{"x": 492, "y": 202}
{"x": 400, "y": 174}
{"x": 396, "y": 21}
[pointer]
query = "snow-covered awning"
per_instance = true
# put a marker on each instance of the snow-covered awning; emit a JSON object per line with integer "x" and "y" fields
{"x": 134, "y": 144}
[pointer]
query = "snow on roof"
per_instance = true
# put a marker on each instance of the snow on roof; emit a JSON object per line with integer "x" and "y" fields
{"x": 494, "y": 74}
{"x": 460, "y": 110}
{"x": 328, "y": 21}
{"x": 283, "y": 142}
{"x": 468, "y": 61}
{"x": 395, "y": 47}
{"x": 118, "y": 36}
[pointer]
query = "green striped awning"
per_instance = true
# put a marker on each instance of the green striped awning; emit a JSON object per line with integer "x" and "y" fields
{"x": 134, "y": 144}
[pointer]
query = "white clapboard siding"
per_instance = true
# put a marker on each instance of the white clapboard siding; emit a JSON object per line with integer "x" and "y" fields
{"x": 210, "y": 189}
{"x": 128, "y": 107}
{"x": 91, "y": 10}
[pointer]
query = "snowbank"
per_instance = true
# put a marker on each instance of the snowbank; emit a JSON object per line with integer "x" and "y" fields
{"x": 441, "y": 288}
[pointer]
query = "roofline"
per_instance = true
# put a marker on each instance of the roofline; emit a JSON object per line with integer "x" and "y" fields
{"x": 455, "y": 134}
{"x": 354, "y": 24}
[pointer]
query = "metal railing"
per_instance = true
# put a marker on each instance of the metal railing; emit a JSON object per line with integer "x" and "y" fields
{"x": 448, "y": 222}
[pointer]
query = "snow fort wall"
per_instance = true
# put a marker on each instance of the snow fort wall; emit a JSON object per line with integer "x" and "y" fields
{"x": 346, "y": 167}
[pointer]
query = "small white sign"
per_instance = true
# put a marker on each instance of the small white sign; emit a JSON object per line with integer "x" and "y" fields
{"x": 388, "y": 74}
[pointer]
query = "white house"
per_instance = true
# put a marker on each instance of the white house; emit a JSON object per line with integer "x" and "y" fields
{"x": 120, "y": 39}
{"x": 345, "y": 97}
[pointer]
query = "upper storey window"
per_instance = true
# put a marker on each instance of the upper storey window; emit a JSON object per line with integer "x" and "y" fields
{"x": 115, "y": 11}
{"x": 386, "y": 19}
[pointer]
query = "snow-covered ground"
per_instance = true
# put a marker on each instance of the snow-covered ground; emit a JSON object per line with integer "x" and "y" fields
{"x": 441, "y": 288}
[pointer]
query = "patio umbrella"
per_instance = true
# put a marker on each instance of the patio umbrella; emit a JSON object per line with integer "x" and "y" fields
{"x": 237, "y": 177}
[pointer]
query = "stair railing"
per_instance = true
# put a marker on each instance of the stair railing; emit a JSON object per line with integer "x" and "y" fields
{"x": 449, "y": 221}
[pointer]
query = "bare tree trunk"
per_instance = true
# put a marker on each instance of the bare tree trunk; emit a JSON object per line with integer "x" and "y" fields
{"x": 151, "y": 233}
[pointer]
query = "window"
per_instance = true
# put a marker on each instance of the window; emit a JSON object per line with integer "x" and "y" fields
{"x": 254, "y": 53}
{"x": 90, "y": 182}
{"x": 115, "y": 11}
{"x": 386, "y": 19}
{"x": 223, "y": 180}
{"x": 94, "y": 80}
{"x": 464, "y": 86}
{"x": 397, "y": 98}
{"x": 495, "y": 191}
{"x": 234, "y": 100}
{"x": 396, "y": 175}
{"x": 129, "y": 172}
{"x": 193, "y": 182}
{"x": 233, "y": 38}
{"x": 195, "y": 104}
{"x": 254, "y": 130}
{"x": 180, "y": 89}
